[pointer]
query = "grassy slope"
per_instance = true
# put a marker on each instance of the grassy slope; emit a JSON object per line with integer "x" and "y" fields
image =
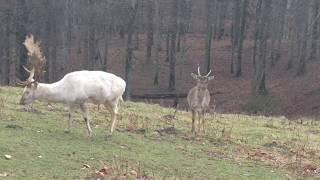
{"x": 235, "y": 147}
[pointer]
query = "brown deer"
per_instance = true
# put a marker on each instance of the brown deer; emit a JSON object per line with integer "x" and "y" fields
{"x": 199, "y": 99}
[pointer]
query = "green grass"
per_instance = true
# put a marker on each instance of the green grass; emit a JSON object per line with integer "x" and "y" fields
{"x": 263, "y": 104}
{"x": 229, "y": 150}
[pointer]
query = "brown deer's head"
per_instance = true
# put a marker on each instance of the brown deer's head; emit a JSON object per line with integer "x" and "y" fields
{"x": 37, "y": 61}
{"x": 202, "y": 81}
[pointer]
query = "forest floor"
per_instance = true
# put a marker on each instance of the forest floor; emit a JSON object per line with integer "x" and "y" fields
{"x": 289, "y": 95}
{"x": 152, "y": 143}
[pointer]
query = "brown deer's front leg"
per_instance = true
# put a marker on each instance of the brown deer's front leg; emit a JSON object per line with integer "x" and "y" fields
{"x": 203, "y": 124}
{"x": 193, "y": 120}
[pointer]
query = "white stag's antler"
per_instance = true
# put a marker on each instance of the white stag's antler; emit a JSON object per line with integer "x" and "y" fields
{"x": 36, "y": 57}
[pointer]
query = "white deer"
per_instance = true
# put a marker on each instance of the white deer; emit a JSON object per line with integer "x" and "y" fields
{"x": 199, "y": 99}
{"x": 75, "y": 89}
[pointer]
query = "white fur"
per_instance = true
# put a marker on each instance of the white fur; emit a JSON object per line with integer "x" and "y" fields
{"x": 80, "y": 88}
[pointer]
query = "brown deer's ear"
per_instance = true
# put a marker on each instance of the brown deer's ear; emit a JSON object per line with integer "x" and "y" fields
{"x": 210, "y": 78}
{"x": 194, "y": 76}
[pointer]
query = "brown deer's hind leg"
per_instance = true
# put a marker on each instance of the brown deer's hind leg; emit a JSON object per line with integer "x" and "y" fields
{"x": 199, "y": 122}
{"x": 193, "y": 120}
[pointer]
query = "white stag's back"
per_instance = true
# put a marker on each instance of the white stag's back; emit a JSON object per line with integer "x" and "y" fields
{"x": 96, "y": 87}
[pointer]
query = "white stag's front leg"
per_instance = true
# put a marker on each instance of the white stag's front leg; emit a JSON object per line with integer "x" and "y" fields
{"x": 71, "y": 109}
{"x": 85, "y": 112}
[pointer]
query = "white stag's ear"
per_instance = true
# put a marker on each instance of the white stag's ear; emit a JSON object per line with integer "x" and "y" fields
{"x": 33, "y": 85}
{"x": 210, "y": 78}
{"x": 194, "y": 76}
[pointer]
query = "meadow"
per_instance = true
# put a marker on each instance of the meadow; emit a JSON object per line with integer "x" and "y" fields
{"x": 151, "y": 143}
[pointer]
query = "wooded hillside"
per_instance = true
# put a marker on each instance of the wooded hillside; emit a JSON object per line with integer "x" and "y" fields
{"x": 155, "y": 44}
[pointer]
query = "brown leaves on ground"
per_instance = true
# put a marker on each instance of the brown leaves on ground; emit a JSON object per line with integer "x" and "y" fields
{"x": 104, "y": 173}
{"x": 297, "y": 160}
{"x": 110, "y": 173}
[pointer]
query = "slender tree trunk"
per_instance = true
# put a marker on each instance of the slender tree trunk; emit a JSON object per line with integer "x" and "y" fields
{"x": 315, "y": 31}
{"x": 256, "y": 33}
{"x": 157, "y": 40}
{"x": 302, "y": 20}
{"x": 106, "y": 49}
{"x": 235, "y": 31}
{"x": 6, "y": 62}
{"x": 243, "y": 17}
{"x": 167, "y": 46}
{"x": 208, "y": 45}
{"x": 264, "y": 7}
{"x": 149, "y": 32}
{"x": 130, "y": 48}
{"x": 21, "y": 32}
{"x": 173, "y": 35}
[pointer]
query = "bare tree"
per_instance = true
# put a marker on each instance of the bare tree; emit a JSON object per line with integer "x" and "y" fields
{"x": 129, "y": 56}
{"x": 314, "y": 31}
{"x": 262, "y": 33}
{"x": 157, "y": 40}
{"x": 208, "y": 46}
{"x": 243, "y": 17}
{"x": 172, "y": 53}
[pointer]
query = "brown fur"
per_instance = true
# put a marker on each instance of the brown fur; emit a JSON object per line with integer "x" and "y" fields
{"x": 199, "y": 99}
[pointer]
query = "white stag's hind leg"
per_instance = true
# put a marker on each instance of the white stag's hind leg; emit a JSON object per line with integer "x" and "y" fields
{"x": 113, "y": 108}
{"x": 84, "y": 109}
{"x": 114, "y": 121}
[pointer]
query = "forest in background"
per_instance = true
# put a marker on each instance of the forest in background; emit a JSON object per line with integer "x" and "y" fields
{"x": 159, "y": 36}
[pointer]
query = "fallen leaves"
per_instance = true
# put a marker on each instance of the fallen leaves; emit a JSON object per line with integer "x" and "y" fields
{"x": 111, "y": 173}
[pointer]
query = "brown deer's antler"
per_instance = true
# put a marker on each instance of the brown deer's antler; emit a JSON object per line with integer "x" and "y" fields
{"x": 208, "y": 73}
{"x": 199, "y": 71}
{"x": 36, "y": 57}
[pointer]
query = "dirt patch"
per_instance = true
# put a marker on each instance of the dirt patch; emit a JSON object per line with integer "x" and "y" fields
{"x": 167, "y": 131}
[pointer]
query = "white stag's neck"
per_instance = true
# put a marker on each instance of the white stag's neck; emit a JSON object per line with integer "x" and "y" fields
{"x": 49, "y": 93}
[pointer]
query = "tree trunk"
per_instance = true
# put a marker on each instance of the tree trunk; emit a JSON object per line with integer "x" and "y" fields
{"x": 167, "y": 46}
{"x": 263, "y": 9}
{"x": 315, "y": 31}
{"x": 157, "y": 40}
{"x": 243, "y": 17}
{"x": 130, "y": 48}
{"x": 21, "y": 32}
{"x": 173, "y": 34}
{"x": 302, "y": 22}
{"x": 208, "y": 45}
{"x": 149, "y": 32}
{"x": 235, "y": 30}
{"x": 106, "y": 49}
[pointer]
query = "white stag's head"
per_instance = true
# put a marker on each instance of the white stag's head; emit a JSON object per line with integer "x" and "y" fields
{"x": 202, "y": 81}
{"x": 37, "y": 61}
